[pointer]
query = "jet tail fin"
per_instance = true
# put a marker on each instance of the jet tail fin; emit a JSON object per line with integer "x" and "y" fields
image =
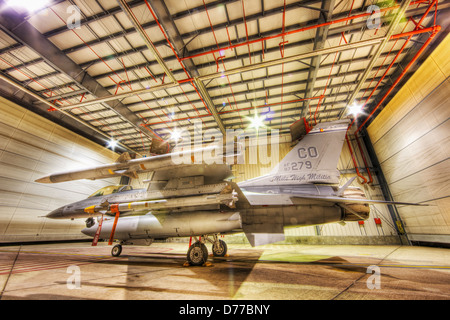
{"x": 315, "y": 157}
{"x": 313, "y": 160}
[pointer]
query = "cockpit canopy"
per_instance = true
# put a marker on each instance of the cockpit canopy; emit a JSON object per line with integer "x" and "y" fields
{"x": 110, "y": 190}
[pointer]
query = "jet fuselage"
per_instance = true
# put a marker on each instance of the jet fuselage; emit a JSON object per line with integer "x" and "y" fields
{"x": 273, "y": 207}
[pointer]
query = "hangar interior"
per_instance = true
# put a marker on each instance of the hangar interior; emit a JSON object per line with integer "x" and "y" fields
{"x": 77, "y": 74}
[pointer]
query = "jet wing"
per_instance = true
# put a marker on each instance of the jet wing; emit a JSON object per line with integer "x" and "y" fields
{"x": 210, "y": 173}
{"x": 126, "y": 166}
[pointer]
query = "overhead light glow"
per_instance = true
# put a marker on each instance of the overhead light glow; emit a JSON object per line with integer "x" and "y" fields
{"x": 29, "y": 5}
{"x": 112, "y": 144}
{"x": 256, "y": 122}
{"x": 175, "y": 135}
{"x": 355, "y": 109}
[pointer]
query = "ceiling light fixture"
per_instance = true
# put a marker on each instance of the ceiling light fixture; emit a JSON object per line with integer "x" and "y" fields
{"x": 175, "y": 135}
{"x": 355, "y": 109}
{"x": 112, "y": 144}
{"x": 29, "y": 5}
{"x": 256, "y": 122}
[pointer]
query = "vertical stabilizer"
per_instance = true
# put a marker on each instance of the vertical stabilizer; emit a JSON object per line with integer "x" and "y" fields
{"x": 313, "y": 160}
{"x": 315, "y": 157}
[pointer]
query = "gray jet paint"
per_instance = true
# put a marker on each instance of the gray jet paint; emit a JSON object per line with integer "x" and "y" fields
{"x": 301, "y": 190}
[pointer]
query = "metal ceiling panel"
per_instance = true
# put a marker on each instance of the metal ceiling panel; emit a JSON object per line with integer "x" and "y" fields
{"x": 200, "y": 42}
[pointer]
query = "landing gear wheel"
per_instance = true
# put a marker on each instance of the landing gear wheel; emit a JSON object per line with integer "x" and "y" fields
{"x": 219, "y": 248}
{"x": 197, "y": 254}
{"x": 116, "y": 250}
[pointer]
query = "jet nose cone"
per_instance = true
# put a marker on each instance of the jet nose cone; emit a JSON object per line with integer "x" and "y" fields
{"x": 56, "y": 214}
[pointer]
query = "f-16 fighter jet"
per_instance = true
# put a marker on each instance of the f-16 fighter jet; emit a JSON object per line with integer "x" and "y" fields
{"x": 197, "y": 200}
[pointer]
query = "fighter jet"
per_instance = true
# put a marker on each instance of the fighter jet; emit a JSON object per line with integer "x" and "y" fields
{"x": 198, "y": 200}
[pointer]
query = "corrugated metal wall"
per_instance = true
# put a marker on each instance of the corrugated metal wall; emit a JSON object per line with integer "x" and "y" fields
{"x": 411, "y": 139}
{"x": 32, "y": 147}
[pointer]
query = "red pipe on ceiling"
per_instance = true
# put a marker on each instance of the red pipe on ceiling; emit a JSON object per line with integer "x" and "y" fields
{"x": 434, "y": 29}
{"x": 221, "y": 58}
{"x": 246, "y": 31}
{"x": 179, "y": 60}
{"x": 394, "y": 37}
{"x": 438, "y": 28}
{"x": 354, "y": 160}
{"x": 242, "y": 109}
{"x": 362, "y": 15}
{"x": 282, "y": 65}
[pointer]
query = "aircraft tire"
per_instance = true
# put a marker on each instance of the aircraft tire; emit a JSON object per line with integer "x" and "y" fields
{"x": 197, "y": 254}
{"x": 219, "y": 249}
{"x": 116, "y": 250}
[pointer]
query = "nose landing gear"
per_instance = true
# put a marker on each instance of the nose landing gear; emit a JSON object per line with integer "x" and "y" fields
{"x": 197, "y": 254}
{"x": 116, "y": 250}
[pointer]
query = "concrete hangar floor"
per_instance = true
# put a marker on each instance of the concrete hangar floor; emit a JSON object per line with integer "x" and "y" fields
{"x": 273, "y": 272}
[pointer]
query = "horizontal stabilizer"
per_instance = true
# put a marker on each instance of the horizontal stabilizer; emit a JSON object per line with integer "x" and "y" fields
{"x": 341, "y": 190}
{"x": 263, "y": 229}
{"x": 355, "y": 200}
{"x": 259, "y": 239}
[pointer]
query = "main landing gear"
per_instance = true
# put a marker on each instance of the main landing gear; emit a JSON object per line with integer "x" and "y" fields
{"x": 197, "y": 254}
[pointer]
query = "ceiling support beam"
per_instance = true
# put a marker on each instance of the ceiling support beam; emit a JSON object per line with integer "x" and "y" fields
{"x": 255, "y": 66}
{"x": 177, "y": 44}
{"x": 334, "y": 32}
{"x": 166, "y": 21}
{"x": 23, "y": 32}
{"x": 68, "y": 114}
{"x": 399, "y": 15}
{"x": 210, "y": 104}
{"x": 168, "y": 27}
{"x": 140, "y": 30}
{"x": 319, "y": 42}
